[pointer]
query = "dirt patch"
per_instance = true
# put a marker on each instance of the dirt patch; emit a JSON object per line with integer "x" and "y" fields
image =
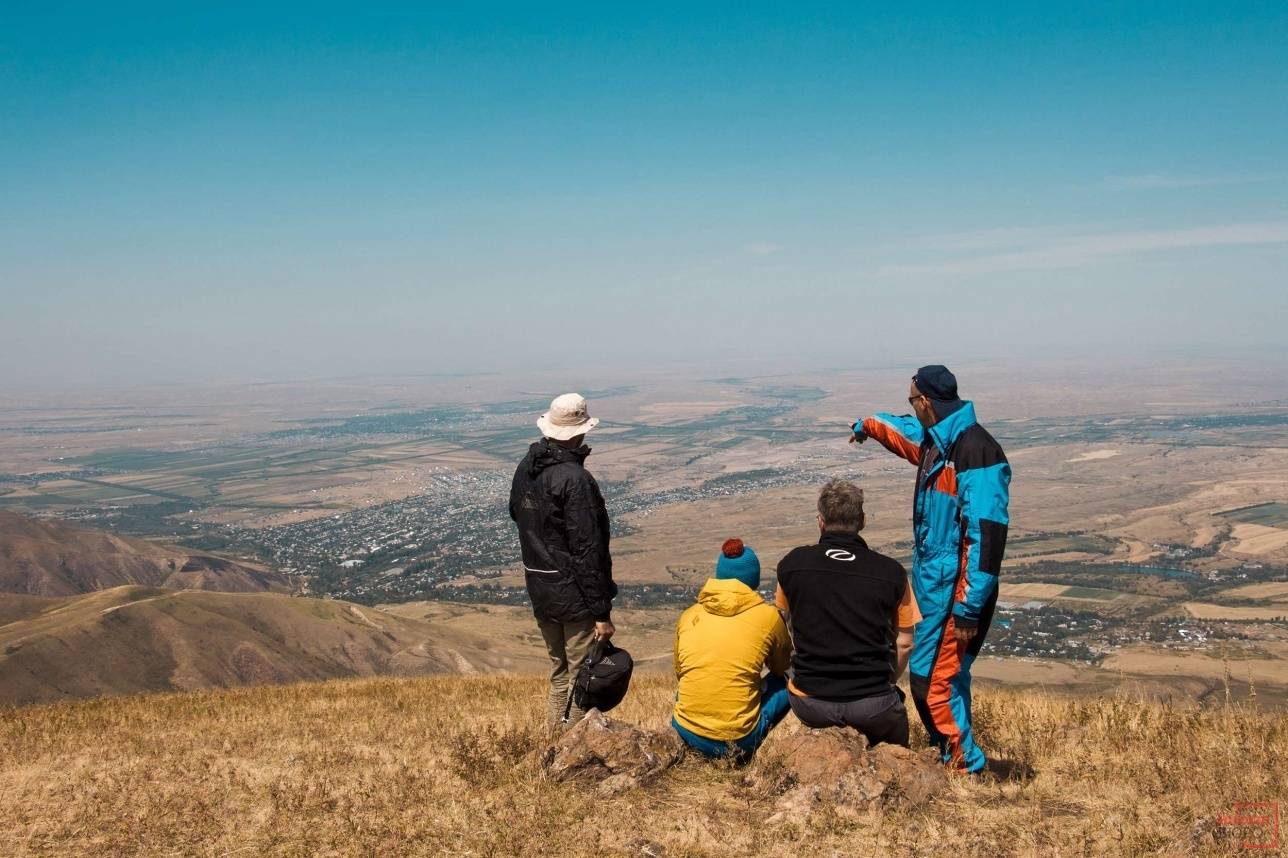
{"x": 1273, "y": 591}
{"x": 1208, "y": 611}
{"x": 1032, "y": 590}
{"x": 1094, "y": 456}
{"x": 1164, "y": 664}
{"x": 1258, "y": 539}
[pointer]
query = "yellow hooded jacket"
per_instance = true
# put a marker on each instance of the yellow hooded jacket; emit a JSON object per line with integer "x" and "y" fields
{"x": 721, "y": 643}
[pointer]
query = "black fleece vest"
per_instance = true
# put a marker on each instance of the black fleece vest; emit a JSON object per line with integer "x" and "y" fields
{"x": 843, "y": 597}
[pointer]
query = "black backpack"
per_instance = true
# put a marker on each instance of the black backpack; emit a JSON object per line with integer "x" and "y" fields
{"x": 602, "y": 679}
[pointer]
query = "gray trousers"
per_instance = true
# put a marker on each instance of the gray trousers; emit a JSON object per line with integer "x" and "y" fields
{"x": 882, "y": 718}
{"x": 567, "y": 645}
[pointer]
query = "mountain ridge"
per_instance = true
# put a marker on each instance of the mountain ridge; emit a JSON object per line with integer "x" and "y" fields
{"x": 48, "y": 557}
{"x": 133, "y": 639}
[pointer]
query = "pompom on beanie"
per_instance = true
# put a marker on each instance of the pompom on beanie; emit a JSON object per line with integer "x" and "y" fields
{"x": 738, "y": 561}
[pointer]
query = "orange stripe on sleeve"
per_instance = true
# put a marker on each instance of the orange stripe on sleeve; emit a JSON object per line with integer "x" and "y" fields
{"x": 892, "y": 439}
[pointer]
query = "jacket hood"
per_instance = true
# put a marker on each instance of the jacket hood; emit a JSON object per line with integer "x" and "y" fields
{"x": 727, "y": 597}
{"x": 542, "y": 454}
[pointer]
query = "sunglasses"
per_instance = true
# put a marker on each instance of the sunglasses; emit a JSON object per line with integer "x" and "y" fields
{"x": 912, "y": 400}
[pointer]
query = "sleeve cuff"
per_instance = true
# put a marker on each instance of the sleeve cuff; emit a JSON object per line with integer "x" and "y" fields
{"x": 965, "y": 622}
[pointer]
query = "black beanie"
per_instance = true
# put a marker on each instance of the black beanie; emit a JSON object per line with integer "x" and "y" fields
{"x": 936, "y": 382}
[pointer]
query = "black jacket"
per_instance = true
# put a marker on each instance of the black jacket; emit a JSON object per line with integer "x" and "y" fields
{"x": 842, "y": 597}
{"x": 563, "y": 531}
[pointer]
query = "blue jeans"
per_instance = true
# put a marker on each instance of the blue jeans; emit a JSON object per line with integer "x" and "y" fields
{"x": 775, "y": 703}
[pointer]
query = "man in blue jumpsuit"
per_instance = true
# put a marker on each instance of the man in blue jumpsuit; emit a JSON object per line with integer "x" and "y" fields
{"x": 959, "y": 526}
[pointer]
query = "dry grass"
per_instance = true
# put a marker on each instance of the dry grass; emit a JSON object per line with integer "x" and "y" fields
{"x": 1209, "y": 611}
{"x": 437, "y": 766}
{"x": 1272, "y": 591}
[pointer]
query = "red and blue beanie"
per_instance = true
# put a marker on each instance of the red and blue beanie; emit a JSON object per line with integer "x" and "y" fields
{"x": 738, "y": 561}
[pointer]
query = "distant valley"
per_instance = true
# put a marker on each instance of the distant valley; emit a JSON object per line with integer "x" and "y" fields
{"x": 1149, "y": 532}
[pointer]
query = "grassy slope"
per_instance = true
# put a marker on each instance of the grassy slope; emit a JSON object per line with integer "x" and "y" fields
{"x": 48, "y": 557}
{"x": 433, "y": 766}
{"x": 131, "y": 639}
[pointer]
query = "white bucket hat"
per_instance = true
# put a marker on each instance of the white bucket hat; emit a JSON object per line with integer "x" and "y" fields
{"x": 567, "y": 418}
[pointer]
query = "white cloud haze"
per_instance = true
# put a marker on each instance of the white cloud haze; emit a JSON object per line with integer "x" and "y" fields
{"x": 1047, "y": 250}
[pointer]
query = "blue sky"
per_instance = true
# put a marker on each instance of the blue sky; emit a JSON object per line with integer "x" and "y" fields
{"x": 317, "y": 190}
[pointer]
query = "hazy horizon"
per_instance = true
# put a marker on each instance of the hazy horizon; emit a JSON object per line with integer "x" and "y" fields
{"x": 230, "y": 195}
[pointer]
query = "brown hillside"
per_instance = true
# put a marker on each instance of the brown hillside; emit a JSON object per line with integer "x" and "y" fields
{"x": 438, "y": 766}
{"x": 133, "y": 639}
{"x": 52, "y": 558}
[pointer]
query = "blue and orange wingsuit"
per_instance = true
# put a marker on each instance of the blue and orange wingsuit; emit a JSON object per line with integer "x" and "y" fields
{"x": 959, "y": 524}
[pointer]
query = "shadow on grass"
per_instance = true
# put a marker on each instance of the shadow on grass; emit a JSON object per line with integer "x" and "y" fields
{"x": 1014, "y": 771}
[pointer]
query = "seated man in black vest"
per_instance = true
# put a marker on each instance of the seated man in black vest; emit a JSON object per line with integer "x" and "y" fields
{"x": 851, "y": 614}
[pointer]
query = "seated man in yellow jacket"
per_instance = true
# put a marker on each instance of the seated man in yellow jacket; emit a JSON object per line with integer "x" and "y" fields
{"x": 722, "y": 707}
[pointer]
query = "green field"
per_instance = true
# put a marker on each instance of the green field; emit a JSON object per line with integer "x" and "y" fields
{"x": 1091, "y": 593}
{"x": 1037, "y": 544}
{"x": 1273, "y": 514}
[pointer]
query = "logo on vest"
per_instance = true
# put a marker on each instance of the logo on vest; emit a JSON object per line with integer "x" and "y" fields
{"x": 839, "y": 554}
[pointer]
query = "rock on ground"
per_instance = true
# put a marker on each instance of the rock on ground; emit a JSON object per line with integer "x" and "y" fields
{"x": 836, "y": 765}
{"x": 618, "y": 755}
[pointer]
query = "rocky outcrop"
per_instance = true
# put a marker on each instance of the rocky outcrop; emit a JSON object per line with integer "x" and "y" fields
{"x": 615, "y": 755}
{"x": 837, "y": 766}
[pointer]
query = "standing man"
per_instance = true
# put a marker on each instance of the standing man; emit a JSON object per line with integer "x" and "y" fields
{"x": 959, "y": 520}
{"x": 563, "y": 533}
